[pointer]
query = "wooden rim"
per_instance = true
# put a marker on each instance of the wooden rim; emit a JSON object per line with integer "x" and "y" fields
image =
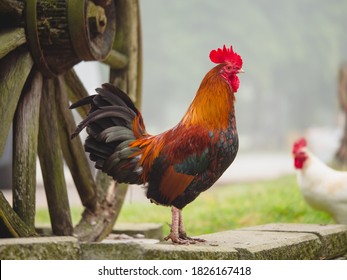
{"x": 78, "y": 29}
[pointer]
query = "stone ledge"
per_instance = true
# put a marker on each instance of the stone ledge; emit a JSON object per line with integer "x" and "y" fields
{"x": 271, "y": 241}
{"x": 258, "y": 245}
{"x": 202, "y": 251}
{"x": 111, "y": 251}
{"x": 333, "y": 238}
{"x": 40, "y": 248}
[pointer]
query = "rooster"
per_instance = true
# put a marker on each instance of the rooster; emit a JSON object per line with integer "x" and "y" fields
{"x": 178, "y": 164}
{"x": 322, "y": 187}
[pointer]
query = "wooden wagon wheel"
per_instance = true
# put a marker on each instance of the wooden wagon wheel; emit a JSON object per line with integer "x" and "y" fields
{"x": 41, "y": 40}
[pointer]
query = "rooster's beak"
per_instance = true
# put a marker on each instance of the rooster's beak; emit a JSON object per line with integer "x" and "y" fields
{"x": 241, "y": 71}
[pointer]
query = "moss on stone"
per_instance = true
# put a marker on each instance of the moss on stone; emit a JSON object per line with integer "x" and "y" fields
{"x": 40, "y": 248}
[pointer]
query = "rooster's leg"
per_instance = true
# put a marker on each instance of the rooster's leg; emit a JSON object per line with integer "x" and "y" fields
{"x": 177, "y": 232}
{"x": 174, "y": 234}
{"x": 182, "y": 231}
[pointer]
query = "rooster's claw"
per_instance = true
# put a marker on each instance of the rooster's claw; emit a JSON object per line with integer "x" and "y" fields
{"x": 183, "y": 239}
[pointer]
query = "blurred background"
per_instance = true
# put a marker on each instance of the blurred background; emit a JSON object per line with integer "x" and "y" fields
{"x": 292, "y": 52}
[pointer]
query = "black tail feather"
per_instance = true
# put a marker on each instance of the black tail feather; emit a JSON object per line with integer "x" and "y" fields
{"x": 106, "y": 112}
{"x": 109, "y": 127}
{"x": 121, "y": 94}
{"x": 84, "y": 101}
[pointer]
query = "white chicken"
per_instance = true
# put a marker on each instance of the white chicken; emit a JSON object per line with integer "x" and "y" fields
{"x": 322, "y": 187}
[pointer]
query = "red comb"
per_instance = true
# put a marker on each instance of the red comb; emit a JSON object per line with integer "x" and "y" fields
{"x": 226, "y": 55}
{"x": 299, "y": 144}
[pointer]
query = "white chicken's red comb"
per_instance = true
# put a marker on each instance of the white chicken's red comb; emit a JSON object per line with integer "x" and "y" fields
{"x": 226, "y": 55}
{"x": 299, "y": 144}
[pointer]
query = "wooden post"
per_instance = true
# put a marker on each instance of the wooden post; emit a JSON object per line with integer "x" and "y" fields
{"x": 51, "y": 160}
{"x": 25, "y": 131}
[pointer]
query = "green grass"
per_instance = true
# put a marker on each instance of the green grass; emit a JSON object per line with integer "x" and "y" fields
{"x": 227, "y": 207}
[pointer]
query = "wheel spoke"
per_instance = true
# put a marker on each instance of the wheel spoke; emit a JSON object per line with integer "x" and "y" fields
{"x": 10, "y": 39}
{"x": 51, "y": 160}
{"x": 14, "y": 70}
{"x": 25, "y": 132}
{"x": 76, "y": 90}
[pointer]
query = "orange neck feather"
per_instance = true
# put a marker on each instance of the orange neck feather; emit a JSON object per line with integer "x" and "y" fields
{"x": 213, "y": 103}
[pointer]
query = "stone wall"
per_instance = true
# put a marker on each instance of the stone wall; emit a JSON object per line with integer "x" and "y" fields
{"x": 265, "y": 242}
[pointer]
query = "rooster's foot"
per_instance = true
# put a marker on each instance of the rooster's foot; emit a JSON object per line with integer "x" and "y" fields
{"x": 176, "y": 239}
{"x": 182, "y": 238}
